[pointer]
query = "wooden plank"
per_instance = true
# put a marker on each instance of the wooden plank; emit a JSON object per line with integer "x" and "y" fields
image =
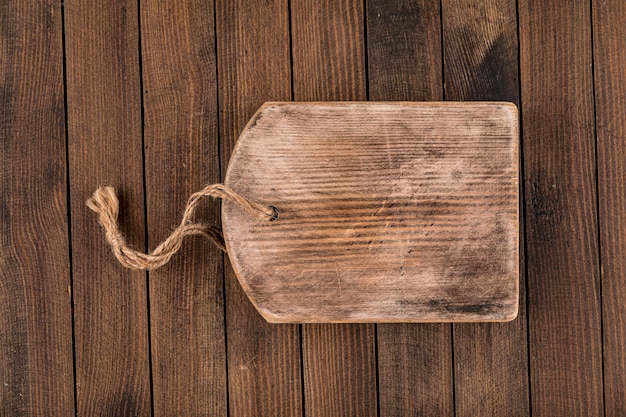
{"x": 104, "y": 123}
{"x": 328, "y": 50}
{"x": 481, "y": 63}
{"x": 404, "y": 63}
{"x": 182, "y": 155}
{"x": 264, "y": 373}
{"x": 480, "y": 50}
{"x": 35, "y": 311}
{"x": 336, "y": 383}
{"x": 329, "y": 64}
{"x": 404, "y": 50}
{"x": 433, "y": 238}
{"x": 609, "y": 35}
{"x": 562, "y": 233}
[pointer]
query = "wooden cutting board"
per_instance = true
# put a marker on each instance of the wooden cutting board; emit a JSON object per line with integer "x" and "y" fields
{"x": 389, "y": 212}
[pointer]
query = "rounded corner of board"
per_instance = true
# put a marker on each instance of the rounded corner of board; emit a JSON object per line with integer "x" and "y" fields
{"x": 511, "y": 109}
{"x": 272, "y": 317}
{"x": 511, "y": 314}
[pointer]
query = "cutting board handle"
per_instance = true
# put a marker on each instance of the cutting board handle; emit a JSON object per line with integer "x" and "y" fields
{"x": 105, "y": 203}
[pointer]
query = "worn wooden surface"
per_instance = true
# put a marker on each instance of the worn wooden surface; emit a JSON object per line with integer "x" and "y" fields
{"x": 609, "y": 43}
{"x": 481, "y": 63}
{"x": 35, "y": 276}
{"x": 105, "y": 147}
{"x": 180, "y": 131}
{"x": 414, "y": 360}
{"x": 328, "y": 60}
{"x": 561, "y": 210}
{"x": 264, "y": 364}
{"x": 388, "y": 212}
{"x": 134, "y": 345}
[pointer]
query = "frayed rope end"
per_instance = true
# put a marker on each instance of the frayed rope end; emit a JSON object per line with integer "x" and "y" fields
{"x": 105, "y": 203}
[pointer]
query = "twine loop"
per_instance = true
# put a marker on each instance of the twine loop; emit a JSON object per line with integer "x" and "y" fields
{"x": 105, "y": 203}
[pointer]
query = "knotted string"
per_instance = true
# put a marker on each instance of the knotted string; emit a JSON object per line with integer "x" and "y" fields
{"x": 105, "y": 203}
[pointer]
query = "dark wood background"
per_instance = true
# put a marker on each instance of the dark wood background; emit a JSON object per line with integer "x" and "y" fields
{"x": 149, "y": 96}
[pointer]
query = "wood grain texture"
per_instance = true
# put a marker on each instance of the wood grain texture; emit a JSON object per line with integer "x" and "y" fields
{"x": 404, "y": 50}
{"x": 481, "y": 63}
{"x": 35, "y": 310}
{"x": 388, "y": 212}
{"x": 182, "y": 156}
{"x": 104, "y": 122}
{"x": 328, "y": 50}
{"x": 264, "y": 373}
{"x": 610, "y": 104}
{"x": 404, "y": 63}
{"x": 480, "y": 50}
{"x": 336, "y": 383}
{"x": 328, "y": 63}
{"x": 561, "y": 217}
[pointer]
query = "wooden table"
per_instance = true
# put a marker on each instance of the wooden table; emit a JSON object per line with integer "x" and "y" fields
{"x": 149, "y": 96}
